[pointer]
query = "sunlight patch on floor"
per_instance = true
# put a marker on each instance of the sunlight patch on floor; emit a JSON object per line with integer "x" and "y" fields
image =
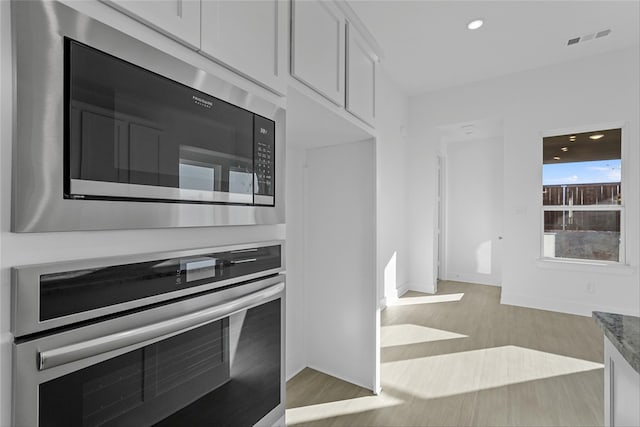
{"x": 306, "y": 414}
{"x": 468, "y": 371}
{"x": 428, "y": 299}
{"x": 403, "y": 334}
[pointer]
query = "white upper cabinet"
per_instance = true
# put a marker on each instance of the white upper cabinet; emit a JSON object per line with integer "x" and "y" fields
{"x": 361, "y": 77}
{"x": 179, "y": 19}
{"x": 318, "y": 47}
{"x": 249, "y": 37}
{"x": 331, "y": 51}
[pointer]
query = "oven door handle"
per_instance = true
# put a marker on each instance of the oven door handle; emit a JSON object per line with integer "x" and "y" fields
{"x": 71, "y": 353}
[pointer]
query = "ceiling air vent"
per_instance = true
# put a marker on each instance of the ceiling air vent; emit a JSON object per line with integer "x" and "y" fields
{"x": 588, "y": 37}
{"x": 573, "y": 41}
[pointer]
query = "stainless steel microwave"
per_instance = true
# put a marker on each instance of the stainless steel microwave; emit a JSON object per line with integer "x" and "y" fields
{"x": 112, "y": 133}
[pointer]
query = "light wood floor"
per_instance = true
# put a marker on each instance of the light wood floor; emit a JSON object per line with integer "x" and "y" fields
{"x": 460, "y": 358}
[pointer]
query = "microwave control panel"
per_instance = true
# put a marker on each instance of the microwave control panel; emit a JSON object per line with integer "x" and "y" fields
{"x": 264, "y": 161}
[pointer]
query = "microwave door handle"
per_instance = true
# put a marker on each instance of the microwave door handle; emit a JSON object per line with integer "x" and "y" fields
{"x": 71, "y": 353}
{"x": 244, "y": 251}
{"x": 242, "y": 261}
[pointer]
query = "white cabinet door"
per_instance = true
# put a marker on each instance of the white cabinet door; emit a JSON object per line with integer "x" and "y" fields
{"x": 317, "y": 47}
{"x": 621, "y": 390}
{"x": 361, "y": 77}
{"x": 179, "y": 19}
{"x": 249, "y": 37}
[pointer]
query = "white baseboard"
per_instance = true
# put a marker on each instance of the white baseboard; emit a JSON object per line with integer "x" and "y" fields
{"x": 549, "y": 304}
{"x": 480, "y": 279}
{"x": 296, "y": 372}
{"x": 343, "y": 378}
{"x": 402, "y": 290}
{"x": 399, "y": 291}
{"x": 426, "y": 288}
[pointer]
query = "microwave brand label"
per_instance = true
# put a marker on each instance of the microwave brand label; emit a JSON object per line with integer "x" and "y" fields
{"x": 202, "y": 102}
{"x": 263, "y": 131}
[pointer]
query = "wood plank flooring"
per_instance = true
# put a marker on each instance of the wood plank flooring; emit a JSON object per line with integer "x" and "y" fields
{"x": 460, "y": 358}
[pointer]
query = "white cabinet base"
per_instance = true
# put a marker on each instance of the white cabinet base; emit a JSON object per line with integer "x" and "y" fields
{"x": 621, "y": 390}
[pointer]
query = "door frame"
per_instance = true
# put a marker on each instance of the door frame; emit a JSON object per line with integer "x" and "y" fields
{"x": 441, "y": 223}
{"x": 486, "y": 132}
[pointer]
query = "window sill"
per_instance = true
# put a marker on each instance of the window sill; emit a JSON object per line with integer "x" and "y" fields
{"x": 586, "y": 266}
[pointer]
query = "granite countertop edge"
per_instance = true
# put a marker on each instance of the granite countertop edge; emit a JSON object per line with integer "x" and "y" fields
{"x": 624, "y": 333}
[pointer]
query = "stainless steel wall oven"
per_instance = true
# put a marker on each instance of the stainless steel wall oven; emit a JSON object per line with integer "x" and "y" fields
{"x": 112, "y": 133}
{"x": 171, "y": 339}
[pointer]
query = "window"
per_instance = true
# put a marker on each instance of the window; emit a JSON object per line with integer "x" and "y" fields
{"x": 582, "y": 196}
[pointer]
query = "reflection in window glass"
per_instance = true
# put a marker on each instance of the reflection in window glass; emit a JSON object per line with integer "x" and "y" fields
{"x": 581, "y": 196}
{"x": 240, "y": 182}
{"x": 195, "y": 177}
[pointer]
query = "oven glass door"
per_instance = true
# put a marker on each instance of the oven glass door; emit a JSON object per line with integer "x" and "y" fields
{"x": 133, "y": 134}
{"x": 227, "y": 372}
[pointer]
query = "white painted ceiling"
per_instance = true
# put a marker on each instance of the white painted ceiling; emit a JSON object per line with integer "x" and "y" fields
{"x": 427, "y": 46}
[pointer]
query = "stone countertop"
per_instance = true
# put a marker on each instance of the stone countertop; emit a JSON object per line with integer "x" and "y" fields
{"x": 624, "y": 333}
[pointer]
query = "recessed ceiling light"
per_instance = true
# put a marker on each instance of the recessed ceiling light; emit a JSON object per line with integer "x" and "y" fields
{"x": 596, "y": 136}
{"x": 556, "y": 157}
{"x": 572, "y": 138}
{"x": 475, "y": 24}
{"x": 565, "y": 148}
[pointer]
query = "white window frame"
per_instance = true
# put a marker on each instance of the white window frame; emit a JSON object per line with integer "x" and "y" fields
{"x": 624, "y": 184}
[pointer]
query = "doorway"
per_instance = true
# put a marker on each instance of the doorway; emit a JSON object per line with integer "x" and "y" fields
{"x": 471, "y": 212}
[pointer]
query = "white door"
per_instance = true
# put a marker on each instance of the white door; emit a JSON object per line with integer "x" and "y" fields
{"x": 474, "y": 205}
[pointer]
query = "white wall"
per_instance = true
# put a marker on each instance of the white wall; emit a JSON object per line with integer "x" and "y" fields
{"x": 596, "y": 90}
{"x": 18, "y": 249}
{"x": 340, "y": 261}
{"x": 295, "y": 213}
{"x": 473, "y": 200}
{"x": 392, "y": 108}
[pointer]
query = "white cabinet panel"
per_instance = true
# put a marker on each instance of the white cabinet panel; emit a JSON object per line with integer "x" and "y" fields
{"x": 318, "y": 48}
{"x": 621, "y": 390}
{"x": 340, "y": 230}
{"x": 249, "y": 37}
{"x": 179, "y": 19}
{"x": 361, "y": 77}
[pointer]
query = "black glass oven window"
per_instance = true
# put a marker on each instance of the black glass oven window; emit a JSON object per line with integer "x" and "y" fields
{"x": 226, "y": 373}
{"x": 127, "y": 125}
{"x": 73, "y": 292}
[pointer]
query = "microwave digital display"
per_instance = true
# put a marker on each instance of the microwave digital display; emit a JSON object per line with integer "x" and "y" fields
{"x": 134, "y": 134}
